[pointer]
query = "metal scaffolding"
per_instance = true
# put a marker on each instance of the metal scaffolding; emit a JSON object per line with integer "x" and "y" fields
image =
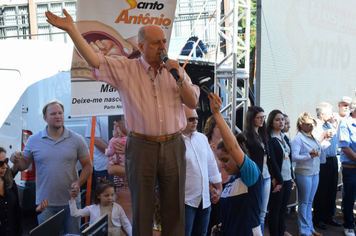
{"x": 236, "y": 12}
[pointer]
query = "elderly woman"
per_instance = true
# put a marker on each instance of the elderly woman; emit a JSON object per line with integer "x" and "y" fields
{"x": 308, "y": 154}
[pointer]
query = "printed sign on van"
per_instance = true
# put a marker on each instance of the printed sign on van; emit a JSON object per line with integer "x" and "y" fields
{"x": 110, "y": 27}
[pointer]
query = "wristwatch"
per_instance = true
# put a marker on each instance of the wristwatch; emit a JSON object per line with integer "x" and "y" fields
{"x": 182, "y": 82}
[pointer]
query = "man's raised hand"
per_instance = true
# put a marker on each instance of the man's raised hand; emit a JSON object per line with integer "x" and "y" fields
{"x": 63, "y": 23}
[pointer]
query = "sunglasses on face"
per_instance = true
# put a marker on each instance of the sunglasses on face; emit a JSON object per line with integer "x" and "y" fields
{"x": 4, "y": 162}
{"x": 308, "y": 124}
{"x": 191, "y": 119}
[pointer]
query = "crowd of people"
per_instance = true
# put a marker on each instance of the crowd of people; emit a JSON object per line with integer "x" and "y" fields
{"x": 211, "y": 183}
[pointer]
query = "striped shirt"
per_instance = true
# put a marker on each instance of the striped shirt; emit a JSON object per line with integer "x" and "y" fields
{"x": 152, "y": 104}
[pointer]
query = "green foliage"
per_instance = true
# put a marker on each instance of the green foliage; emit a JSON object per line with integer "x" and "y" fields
{"x": 253, "y": 29}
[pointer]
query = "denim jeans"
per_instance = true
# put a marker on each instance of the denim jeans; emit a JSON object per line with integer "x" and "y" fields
{"x": 70, "y": 225}
{"x": 307, "y": 186}
{"x": 349, "y": 181}
{"x": 265, "y": 197}
{"x": 196, "y": 220}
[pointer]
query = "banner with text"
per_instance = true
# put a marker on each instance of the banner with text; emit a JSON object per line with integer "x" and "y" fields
{"x": 110, "y": 27}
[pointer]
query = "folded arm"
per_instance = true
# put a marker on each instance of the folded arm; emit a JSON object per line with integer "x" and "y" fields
{"x": 115, "y": 169}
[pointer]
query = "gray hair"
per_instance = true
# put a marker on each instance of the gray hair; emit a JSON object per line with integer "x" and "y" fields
{"x": 141, "y": 36}
{"x": 323, "y": 107}
{"x": 353, "y": 105}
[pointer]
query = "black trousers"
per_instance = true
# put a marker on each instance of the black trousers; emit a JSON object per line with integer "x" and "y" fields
{"x": 324, "y": 200}
{"x": 277, "y": 209}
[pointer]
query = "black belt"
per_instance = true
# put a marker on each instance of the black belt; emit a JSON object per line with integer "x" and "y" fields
{"x": 331, "y": 157}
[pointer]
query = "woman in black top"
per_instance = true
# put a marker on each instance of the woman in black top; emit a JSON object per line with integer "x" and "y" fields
{"x": 256, "y": 148}
{"x": 280, "y": 150}
{"x": 10, "y": 211}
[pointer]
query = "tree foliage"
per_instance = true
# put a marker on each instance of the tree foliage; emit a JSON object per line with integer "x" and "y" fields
{"x": 253, "y": 30}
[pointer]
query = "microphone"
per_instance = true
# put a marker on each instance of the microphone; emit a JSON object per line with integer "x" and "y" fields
{"x": 174, "y": 72}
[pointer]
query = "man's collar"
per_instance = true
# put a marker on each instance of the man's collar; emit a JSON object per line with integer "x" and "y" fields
{"x": 321, "y": 122}
{"x": 147, "y": 66}
{"x": 64, "y": 135}
{"x": 193, "y": 134}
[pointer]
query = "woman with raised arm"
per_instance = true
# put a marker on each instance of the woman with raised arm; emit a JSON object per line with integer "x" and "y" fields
{"x": 241, "y": 198}
{"x": 212, "y": 132}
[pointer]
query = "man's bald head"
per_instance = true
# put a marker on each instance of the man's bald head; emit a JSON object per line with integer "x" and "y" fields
{"x": 192, "y": 121}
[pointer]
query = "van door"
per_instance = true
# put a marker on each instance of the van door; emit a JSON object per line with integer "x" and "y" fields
{"x": 10, "y": 115}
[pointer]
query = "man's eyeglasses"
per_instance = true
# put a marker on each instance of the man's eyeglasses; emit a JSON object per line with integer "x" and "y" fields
{"x": 4, "y": 162}
{"x": 191, "y": 119}
{"x": 261, "y": 117}
{"x": 308, "y": 124}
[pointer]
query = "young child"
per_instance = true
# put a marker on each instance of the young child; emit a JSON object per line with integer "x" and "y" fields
{"x": 119, "y": 135}
{"x": 104, "y": 204}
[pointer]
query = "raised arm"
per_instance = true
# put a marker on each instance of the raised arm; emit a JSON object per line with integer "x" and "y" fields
{"x": 228, "y": 137}
{"x": 67, "y": 24}
{"x": 19, "y": 161}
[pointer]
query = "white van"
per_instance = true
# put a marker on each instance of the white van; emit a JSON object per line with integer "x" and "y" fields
{"x": 32, "y": 73}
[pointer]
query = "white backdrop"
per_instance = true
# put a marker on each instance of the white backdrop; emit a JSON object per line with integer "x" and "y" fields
{"x": 308, "y": 55}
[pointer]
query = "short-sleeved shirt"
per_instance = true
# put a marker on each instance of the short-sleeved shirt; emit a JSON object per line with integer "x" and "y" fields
{"x": 152, "y": 104}
{"x": 346, "y": 135}
{"x": 56, "y": 164}
{"x": 241, "y": 199}
{"x": 101, "y": 131}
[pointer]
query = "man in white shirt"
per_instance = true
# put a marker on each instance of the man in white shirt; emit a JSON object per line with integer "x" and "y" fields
{"x": 101, "y": 141}
{"x": 325, "y": 197}
{"x": 201, "y": 169}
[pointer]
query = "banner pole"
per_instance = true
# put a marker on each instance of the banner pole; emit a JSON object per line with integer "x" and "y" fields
{"x": 91, "y": 151}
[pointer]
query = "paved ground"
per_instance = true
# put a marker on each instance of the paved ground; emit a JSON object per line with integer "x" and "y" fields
{"x": 292, "y": 224}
